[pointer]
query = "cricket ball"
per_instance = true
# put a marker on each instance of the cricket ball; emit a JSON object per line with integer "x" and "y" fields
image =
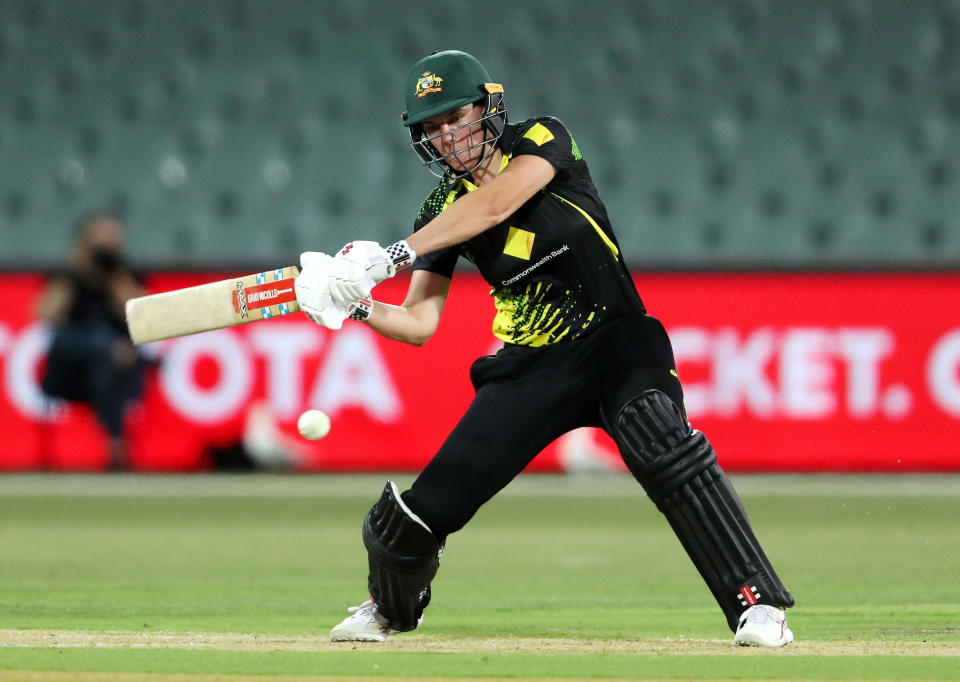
{"x": 313, "y": 424}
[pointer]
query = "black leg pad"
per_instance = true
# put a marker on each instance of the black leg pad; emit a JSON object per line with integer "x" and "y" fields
{"x": 403, "y": 556}
{"x": 678, "y": 468}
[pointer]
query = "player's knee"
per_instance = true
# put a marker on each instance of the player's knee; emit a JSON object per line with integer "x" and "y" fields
{"x": 403, "y": 556}
{"x": 658, "y": 444}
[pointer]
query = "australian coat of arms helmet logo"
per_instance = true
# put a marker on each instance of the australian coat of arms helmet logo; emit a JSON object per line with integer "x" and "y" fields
{"x": 427, "y": 83}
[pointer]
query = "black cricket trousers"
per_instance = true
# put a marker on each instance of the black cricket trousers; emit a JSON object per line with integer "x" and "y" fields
{"x": 527, "y": 397}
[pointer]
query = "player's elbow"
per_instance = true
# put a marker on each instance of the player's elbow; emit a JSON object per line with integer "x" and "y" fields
{"x": 421, "y": 333}
{"x": 497, "y": 209}
{"x": 412, "y": 337}
{"x": 419, "y": 340}
{"x": 413, "y": 329}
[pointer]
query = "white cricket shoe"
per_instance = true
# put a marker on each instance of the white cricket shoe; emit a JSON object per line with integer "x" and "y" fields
{"x": 365, "y": 624}
{"x": 763, "y": 625}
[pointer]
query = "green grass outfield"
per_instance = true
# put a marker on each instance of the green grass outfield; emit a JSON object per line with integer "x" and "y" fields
{"x": 216, "y": 578}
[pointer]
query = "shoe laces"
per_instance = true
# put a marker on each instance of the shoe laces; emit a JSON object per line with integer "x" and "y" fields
{"x": 764, "y": 614}
{"x": 367, "y": 608}
{"x": 368, "y": 611}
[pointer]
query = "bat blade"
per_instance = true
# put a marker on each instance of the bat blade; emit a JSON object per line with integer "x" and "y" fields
{"x": 201, "y": 308}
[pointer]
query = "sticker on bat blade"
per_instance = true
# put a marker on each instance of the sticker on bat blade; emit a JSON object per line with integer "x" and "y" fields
{"x": 271, "y": 293}
{"x": 240, "y": 300}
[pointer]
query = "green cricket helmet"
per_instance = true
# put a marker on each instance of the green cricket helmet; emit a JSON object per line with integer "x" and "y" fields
{"x": 442, "y": 82}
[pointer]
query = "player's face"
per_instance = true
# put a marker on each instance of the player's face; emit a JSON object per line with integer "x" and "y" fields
{"x": 458, "y": 136}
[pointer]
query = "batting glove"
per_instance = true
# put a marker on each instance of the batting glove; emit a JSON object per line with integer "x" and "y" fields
{"x": 361, "y": 265}
{"x": 312, "y": 287}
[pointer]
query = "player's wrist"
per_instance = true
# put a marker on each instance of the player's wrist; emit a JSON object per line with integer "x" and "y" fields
{"x": 401, "y": 255}
{"x": 362, "y": 310}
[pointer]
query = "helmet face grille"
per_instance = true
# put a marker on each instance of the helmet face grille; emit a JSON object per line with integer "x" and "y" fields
{"x": 492, "y": 124}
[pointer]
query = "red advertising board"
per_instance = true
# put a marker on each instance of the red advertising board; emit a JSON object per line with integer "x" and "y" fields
{"x": 796, "y": 372}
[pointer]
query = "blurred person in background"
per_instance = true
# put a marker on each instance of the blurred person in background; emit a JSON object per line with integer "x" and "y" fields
{"x": 91, "y": 358}
{"x": 518, "y": 202}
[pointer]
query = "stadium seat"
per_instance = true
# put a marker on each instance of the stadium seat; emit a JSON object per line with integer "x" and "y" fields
{"x": 728, "y": 133}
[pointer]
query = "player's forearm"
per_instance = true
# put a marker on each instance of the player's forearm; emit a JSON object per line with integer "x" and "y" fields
{"x": 401, "y": 324}
{"x": 462, "y": 220}
{"x": 486, "y": 206}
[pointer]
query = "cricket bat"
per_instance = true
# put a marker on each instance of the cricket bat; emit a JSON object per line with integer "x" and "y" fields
{"x": 226, "y": 303}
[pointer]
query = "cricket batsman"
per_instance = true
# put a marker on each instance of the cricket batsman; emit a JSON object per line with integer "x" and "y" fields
{"x": 580, "y": 349}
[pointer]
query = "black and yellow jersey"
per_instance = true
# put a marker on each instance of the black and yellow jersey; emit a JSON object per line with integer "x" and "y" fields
{"x": 554, "y": 265}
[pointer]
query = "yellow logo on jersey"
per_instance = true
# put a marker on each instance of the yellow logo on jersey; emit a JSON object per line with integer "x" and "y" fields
{"x": 427, "y": 83}
{"x": 539, "y": 134}
{"x": 519, "y": 243}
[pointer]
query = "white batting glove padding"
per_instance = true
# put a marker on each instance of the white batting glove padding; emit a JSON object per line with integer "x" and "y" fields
{"x": 313, "y": 291}
{"x": 331, "y": 318}
{"x": 361, "y": 265}
{"x": 349, "y": 281}
{"x": 372, "y": 257}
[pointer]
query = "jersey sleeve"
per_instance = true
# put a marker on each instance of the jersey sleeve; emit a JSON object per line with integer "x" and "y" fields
{"x": 444, "y": 261}
{"x": 549, "y": 139}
